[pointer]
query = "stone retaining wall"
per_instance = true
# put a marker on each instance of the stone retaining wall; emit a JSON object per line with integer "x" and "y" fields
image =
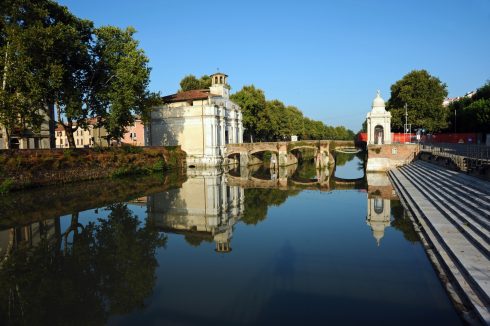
{"x": 385, "y": 157}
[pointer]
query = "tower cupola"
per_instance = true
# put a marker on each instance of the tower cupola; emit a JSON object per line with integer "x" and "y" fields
{"x": 219, "y": 85}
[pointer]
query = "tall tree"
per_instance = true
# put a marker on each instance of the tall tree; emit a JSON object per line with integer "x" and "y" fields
{"x": 23, "y": 44}
{"x": 423, "y": 95}
{"x": 252, "y": 101}
{"x": 123, "y": 75}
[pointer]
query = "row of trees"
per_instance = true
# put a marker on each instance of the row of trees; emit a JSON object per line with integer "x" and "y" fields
{"x": 272, "y": 120}
{"x": 423, "y": 96}
{"x": 53, "y": 61}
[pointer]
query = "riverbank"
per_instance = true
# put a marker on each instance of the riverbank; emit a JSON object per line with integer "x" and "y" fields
{"x": 450, "y": 213}
{"x": 22, "y": 169}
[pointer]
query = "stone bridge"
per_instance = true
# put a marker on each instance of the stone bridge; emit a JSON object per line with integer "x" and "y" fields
{"x": 245, "y": 153}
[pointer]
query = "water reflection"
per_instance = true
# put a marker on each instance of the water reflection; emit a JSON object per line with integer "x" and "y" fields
{"x": 300, "y": 255}
{"x": 102, "y": 269}
{"x": 205, "y": 208}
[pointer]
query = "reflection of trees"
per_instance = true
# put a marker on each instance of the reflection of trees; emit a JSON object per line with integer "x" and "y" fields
{"x": 65, "y": 199}
{"x": 402, "y": 223}
{"x": 109, "y": 268}
{"x": 305, "y": 171}
{"x": 257, "y": 202}
{"x": 342, "y": 158}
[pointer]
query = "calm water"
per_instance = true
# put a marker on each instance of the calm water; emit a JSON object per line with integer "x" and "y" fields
{"x": 249, "y": 247}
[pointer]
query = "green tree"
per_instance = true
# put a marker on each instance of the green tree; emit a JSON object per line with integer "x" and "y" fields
{"x": 123, "y": 76}
{"x": 27, "y": 34}
{"x": 190, "y": 82}
{"x": 423, "y": 94}
{"x": 473, "y": 114}
{"x": 52, "y": 58}
{"x": 252, "y": 102}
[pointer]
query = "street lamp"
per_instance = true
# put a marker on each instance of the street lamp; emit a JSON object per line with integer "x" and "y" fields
{"x": 455, "y": 121}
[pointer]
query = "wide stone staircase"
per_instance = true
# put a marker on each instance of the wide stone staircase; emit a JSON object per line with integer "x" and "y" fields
{"x": 453, "y": 214}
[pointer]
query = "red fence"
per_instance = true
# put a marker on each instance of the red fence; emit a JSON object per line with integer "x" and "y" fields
{"x": 398, "y": 137}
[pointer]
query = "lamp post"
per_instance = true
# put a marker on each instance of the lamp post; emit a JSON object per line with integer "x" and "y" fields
{"x": 455, "y": 121}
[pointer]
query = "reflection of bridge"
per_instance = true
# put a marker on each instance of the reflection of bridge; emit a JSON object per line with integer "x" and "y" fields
{"x": 286, "y": 178}
{"x": 347, "y": 149}
{"x": 246, "y": 153}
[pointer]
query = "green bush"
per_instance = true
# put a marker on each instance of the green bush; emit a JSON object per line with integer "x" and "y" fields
{"x": 6, "y": 186}
{"x": 132, "y": 149}
{"x": 159, "y": 166}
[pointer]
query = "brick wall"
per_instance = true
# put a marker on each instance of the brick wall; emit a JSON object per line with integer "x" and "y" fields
{"x": 385, "y": 157}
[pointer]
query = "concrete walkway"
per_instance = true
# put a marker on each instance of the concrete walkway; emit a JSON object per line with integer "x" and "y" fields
{"x": 453, "y": 214}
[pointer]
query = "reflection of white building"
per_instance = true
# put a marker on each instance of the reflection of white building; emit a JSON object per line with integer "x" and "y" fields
{"x": 378, "y": 123}
{"x": 28, "y": 236}
{"x": 378, "y": 218}
{"x": 205, "y": 206}
{"x": 201, "y": 121}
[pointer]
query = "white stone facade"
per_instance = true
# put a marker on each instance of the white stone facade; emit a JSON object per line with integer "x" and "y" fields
{"x": 378, "y": 123}
{"x": 202, "y": 122}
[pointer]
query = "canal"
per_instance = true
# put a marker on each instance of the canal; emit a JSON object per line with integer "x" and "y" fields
{"x": 241, "y": 247}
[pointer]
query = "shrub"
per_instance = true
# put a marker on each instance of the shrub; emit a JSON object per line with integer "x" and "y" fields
{"x": 159, "y": 166}
{"x": 131, "y": 149}
{"x": 6, "y": 186}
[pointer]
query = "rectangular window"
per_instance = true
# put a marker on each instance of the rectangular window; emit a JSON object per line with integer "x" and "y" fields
{"x": 77, "y": 142}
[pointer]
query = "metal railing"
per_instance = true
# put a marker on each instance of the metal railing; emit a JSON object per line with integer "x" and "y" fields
{"x": 464, "y": 155}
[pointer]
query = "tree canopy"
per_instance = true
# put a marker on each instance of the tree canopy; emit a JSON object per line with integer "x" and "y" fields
{"x": 272, "y": 120}
{"x": 51, "y": 58}
{"x": 423, "y": 94}
{"x": 190, "y": 82}
{"x": 472, "y": 113}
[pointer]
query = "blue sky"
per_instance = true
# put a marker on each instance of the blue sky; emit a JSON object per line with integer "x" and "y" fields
{"x": 328, "y": 58}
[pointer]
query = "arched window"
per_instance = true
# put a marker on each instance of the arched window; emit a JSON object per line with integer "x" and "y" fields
{"x": 379, "y": 135}
{"x": 221, "y": 79}
{"x": 378, "y": 205}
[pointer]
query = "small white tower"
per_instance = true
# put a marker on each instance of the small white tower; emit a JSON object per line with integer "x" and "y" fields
{"x": 378, "y": 123}
{"x": 219, "y": 86}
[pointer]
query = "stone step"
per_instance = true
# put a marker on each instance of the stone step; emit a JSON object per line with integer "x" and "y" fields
{"x": 474, "y": 197}
{"x": 468, "y": 215}
{"x": 474, "y": 183}
{"x": 464, "y": 223}
{"x": 454, "y": 177}
{"x": 469, "y": 205}
{"x": 439, "y": 236}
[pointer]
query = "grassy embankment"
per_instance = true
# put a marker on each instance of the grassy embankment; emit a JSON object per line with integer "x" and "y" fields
{"x": 21, "y": 169}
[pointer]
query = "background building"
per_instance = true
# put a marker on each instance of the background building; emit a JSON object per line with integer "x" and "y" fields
{"x": 135, "y": 134}
{"x": 90, "y": 137}
{"x": 24, "y": 138}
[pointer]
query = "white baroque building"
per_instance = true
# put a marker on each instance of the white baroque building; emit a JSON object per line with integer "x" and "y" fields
{"x": 202, "y": 122}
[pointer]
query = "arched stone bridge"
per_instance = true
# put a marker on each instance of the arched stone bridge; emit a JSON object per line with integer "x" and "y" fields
{"x": 245, "y": 153}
